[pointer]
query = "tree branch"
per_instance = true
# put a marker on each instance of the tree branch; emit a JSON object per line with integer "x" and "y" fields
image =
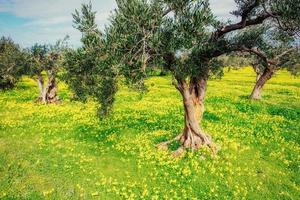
{"x": 242, "y": 24}
{"x": 244, "y": 21}
{"x": 257, "y": 52}
{"x": 262, "y": 55}
{"x": 286, "y": 52}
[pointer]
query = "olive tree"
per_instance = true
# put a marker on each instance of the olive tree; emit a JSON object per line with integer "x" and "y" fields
{"x": 276, "y": 50}
{"x": 11, "y": 63}
{"x": 46, "y": 58}
{"x": 183, "y": 36}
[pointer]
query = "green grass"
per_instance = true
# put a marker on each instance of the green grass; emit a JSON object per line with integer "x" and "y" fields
{"x": 64, "y": 152}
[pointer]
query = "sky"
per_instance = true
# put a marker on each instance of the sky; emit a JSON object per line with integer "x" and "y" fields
{"x": 46, "y": 21}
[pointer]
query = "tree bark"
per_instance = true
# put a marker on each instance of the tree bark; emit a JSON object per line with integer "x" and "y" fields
{"x": 202, "y": 86}
{"x": 257, "y": 70}
{"x": 51, "y": 90}
{"x": 193, "y": 101}
{"x": 192, "y": 136}
{"x": 48, "y": 93}
{"x": 256, "y": 92}
{"x": 258, "y": 75}
{"x": 40, "y": 82}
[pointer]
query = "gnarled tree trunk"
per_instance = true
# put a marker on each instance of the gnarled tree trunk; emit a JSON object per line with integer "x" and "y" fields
{"x": 193, "y": 101}
{"x": 258, "y": 75}
{"x": 48, "y": 93}
{"x": 256, "y": 92}
{"x": 40, "y": 82}
{"x": 51, "y": 90}
{"x": 192, "y": 136}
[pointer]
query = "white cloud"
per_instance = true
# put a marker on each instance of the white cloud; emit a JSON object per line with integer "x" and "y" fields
{"x": 50, "y": 8}
{"x": 222, "y": 8}
{"x": 51, "y": 12}
{"x": 50, "y": 20}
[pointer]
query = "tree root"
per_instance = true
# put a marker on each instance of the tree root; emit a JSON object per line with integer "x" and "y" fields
{"x": 195, "y": 142}
{"x": 39, "y": 100}
{"x": 55, "y": 100}
{"x": 179, "y": 152}
{"x": 164, "y": 145}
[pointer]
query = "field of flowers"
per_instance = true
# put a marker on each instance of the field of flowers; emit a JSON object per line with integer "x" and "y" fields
{"x": 64, "y": 152}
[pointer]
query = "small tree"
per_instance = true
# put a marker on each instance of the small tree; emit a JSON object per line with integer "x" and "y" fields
{"x": 48, "y": 59}
{"x": 183, "y": 36}
{"x": 11, "y": 63}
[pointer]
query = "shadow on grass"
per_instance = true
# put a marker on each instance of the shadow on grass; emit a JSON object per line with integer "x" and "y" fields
{"x": 219, "y": 100}
{"x": 23, "y": 87}
{"x": 284, "y": 92}
{"x": 287, "y": 113}
{"x": 209, "y": 116}
{"x": 249, "y": 107}
{"x": 244, "y": 97}
{"x": 135, "y": 124}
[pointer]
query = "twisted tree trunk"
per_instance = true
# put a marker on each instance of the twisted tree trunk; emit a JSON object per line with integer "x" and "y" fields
{"x": 51, "y": 90}
{"x": 193, "y": 101}
{"x": 192, "y": 136}
{"x": 40, "y": 82}
{"x": 258, "y": 75}
{"x": 48, "y": 93}
{"x": 256, "y": 92}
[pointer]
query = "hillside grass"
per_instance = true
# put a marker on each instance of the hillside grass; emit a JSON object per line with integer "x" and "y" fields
{"x": 64, "y": 152}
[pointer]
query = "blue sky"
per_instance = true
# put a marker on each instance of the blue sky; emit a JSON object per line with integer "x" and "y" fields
{"x": 45, "y": 21}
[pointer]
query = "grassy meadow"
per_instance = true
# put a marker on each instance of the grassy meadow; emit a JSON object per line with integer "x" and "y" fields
{"x": 64, "y": 152}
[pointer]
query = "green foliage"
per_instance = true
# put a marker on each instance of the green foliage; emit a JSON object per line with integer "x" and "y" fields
{"x": 11, "y": 63}
{"x": 182, "y": 36}
{"x": 88, "y": 70}
{"x": 85, "y": 23}
{"x": 37, "y": 59}
{"x": 288, "y": 10}
{"x": 133, "y": 44}
{"x": 251, "y": 37}
{"x": 48, "y": 58}
{"x": 132, "y": 37}
{"x": 291, "y": 62}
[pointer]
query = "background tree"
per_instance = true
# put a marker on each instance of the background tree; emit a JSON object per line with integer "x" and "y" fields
{"x": 48, "y": 59}
{"x": 275, "y": 50}
{"x": 37, "y": 61}
{"x": 181, "y": 35}
{"x": 235, "y": 61}
{"x": 11, "y": 63}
